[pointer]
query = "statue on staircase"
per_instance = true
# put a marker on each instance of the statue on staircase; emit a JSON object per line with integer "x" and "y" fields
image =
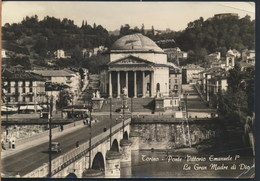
{"x": 97, "y": 94}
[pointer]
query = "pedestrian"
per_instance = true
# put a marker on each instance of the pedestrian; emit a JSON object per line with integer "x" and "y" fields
{"x": 17, "y": 175}
{"x": 77, "y": 144}
{"x": 84, "y": 122}
{"x": 61, "y": 128}
{"x": 13, "y": 144}
{"x": 87, "y": 121}
{"x": 3, "y": 145}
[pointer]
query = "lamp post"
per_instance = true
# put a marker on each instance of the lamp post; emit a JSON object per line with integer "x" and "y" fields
{"x": 50, "y": 133}
{"x": 110, "y": 123}
{"x": 186, "y": 106}
{"x": 123, "y": 105}
{"x": 90, "y": 110}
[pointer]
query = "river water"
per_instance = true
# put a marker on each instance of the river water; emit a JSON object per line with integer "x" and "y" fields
{"x": 148, "y": 164}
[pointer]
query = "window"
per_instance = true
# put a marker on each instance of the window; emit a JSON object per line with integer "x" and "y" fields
{"x": 31, "y": 83}
{"x": 176, "y": 81}
{"x": 31, "y": 89}
{"x": 176, "y": 87}
{"x": 23, "y": 99}
{"x": 31, "y": 99}
{"x": 169, "y": 86}
{"x": 23, "y": 90}
{"x": 16, "y": 84}
{"x": 23, "y": 83}
{"x": 8, "y": 99}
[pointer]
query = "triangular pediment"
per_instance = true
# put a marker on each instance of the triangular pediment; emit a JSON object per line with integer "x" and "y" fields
{"x": 130, "y": 60}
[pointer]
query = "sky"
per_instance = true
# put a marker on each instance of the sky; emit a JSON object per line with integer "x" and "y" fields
{"x": 111, "y": 15}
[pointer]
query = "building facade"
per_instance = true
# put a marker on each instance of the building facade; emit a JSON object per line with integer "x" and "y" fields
{"x": 139, "y": 65}
{"x": 190, "y": 73}
{"x": 23, "y": 89}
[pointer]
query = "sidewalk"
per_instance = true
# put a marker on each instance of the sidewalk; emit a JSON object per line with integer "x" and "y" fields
{"x": 9, "y": 152}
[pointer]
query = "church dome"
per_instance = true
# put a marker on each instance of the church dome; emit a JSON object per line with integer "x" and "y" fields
{"x": 136, "y": 42}
{"x": 229, "y": 53}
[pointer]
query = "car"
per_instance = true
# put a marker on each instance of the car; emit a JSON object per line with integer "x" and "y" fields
{"x": 55, "y": 147}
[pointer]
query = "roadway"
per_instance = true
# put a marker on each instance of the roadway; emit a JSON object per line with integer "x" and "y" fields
{"x": 32, "y": 158}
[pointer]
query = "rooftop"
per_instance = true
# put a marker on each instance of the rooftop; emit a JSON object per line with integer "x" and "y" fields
{"x": 135, "y": 42}
{"x": 54, "y": 73}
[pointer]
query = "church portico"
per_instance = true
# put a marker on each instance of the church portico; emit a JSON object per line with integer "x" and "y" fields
{"x": 138, "y": 83}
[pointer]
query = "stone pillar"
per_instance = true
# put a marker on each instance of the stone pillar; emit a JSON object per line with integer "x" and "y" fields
{"x": 233, "y": 62}
{"x": 125, "y": 150}
{"x": 152, "y": 84}
{"x": 134, "y": 137}
{"x": 118, "y": 84}
{"x": 126, "y": 82}
{"x": 110, "y": 84}
{"x": 135, "y": 86}
{"x": 126, "y": 169}
{"x": 112, "y": 164}
{"x": 143, "y": 84}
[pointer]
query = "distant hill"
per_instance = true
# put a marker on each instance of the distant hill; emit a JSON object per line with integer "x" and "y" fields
{"x": 115, "y": 32}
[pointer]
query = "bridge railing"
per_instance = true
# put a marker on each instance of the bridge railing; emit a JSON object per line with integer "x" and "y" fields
{"x": 45, "y": 133}
{"x": 63, "y": 161}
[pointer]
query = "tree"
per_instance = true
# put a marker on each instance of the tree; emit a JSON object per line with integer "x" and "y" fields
{"x": 64, "y": 98}
{"x": 142, "y": 29}
{"x": 82, "y": 25}
{"x": 237, "y": 102}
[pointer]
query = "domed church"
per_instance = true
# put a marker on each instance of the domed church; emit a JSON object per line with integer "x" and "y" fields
{"x": 137, "y": 66}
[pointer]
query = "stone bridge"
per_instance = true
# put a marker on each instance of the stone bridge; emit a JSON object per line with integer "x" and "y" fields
{"x": 103, "y": 160}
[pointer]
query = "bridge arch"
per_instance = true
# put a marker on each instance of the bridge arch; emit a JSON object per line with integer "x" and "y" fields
{"x": 115, "y": 146}
{"x": 98, "y": 162}
{"x": 125, "y": 135}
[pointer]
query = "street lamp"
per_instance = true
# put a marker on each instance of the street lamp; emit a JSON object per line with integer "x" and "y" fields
{"x": 186, "y": 106}
{"x": 50, "y": 98}
{"x": 90, "y": 110}
{"x": 124, "y": 95}
{"x": 110, "y": 123}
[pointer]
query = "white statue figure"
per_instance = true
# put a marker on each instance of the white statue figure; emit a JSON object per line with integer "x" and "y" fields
{"x": 98, "y": 94}
{"x": 125, "y": 90}
{"x": 158, "y": 94}
{"x": 94, "y": 95}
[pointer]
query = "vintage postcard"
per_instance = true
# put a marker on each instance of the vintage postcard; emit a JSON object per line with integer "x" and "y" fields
{"x": 128, "y": 89}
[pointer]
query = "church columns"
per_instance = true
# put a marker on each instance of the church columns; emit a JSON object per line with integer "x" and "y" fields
{"x": 143, "y": 84}
{"x": 135, "y": 85}
{"x": 126, "y": 82}
{"x": 110, "y": 84}
{"x": 118, "y": 84}
{"x": 152, "y": 84}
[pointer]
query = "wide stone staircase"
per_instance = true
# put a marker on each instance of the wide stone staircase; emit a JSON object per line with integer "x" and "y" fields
{"x": 137, "y": 104}
{"x": 194, "y": 100}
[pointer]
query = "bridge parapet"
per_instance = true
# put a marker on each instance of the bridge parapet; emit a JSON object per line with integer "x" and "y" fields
{"x": 65, "y": 160}
{"x": 46, "y": 133}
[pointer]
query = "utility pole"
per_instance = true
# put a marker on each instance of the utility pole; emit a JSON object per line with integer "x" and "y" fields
{"x": 110, "y": 123}
{"x": 90, "y": 110}
{"x": 50, "y": 134}
{"x": 6, "y": 118}
{"x": 123, "y": 113}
